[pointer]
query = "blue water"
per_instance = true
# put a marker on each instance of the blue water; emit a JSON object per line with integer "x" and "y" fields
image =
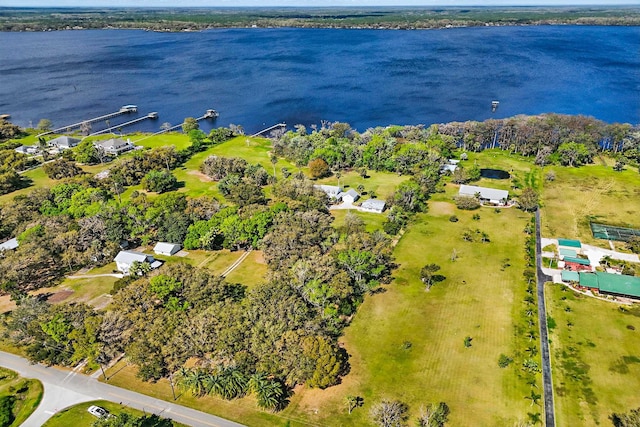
{"x": 258, "y": 77}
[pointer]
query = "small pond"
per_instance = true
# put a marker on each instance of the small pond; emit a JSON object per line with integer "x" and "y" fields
{"x": 494, "y": 174}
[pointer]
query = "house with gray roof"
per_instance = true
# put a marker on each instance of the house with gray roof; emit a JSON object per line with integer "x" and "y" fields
{"x": 350, "y": 196}
{"x": 125, "y": 259}
{"x": 333, "y": 191}
{"x": 486, "y": 195}
{"x": 168, "y": 249}
{"x": 63, "y": 142}
{"x": 373, "y": 205}
{"x": 115, "y": 146}
{"x": 27, "y": 149}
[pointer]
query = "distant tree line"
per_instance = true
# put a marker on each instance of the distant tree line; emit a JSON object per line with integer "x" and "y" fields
{"x": 383, "y": 18}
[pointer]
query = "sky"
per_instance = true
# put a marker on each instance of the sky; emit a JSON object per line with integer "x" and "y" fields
{"x": 302, "y": 3}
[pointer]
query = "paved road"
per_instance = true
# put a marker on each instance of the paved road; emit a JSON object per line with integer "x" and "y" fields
{"x": 549, "y": 413}
{"x": 66, "y": 388}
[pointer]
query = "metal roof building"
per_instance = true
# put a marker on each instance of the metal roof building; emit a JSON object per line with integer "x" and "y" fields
{"x": 569, "y": 243}
{"x": 164, "y": 248}
{"x": 491, "y": 194}
{"x": 9, "y": 244}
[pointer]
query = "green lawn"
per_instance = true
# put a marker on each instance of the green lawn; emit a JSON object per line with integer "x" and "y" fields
{"x": 78, "y": 416}
{"x": 595, "y": 357}
{"x": 407, "y": 343}
{"x": 252, "y": 271}
{"x": 589, "y": 192}
{"x": 242, "y": 410}
{"x": 372, "y": 221}
{"x": 37, "y": 179}
{"x": 382, "y": 183}
{"x": 28, "y": 393}
{"x": 177, "y": 139}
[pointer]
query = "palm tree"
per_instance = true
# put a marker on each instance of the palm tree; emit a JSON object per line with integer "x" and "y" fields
{"x": 269, "y": 392}
{"x": 533, "y": 397}
{"x": 274, "y": 160}
{"x": 193, "y": 380}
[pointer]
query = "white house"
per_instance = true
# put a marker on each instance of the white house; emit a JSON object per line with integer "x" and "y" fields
{"x": 487, "y": 195}
{"x": 9, "y": 245}
{"x": 125, "y": 259}
{"x": 373, "y": 205}
{"x": 450, "y": 166}
{"x": 350, "y": 196}
{"x": 115, "y": 146}
{"x": 168, "y": 249}
{"x": 333, "y": 191}
{"x": 63, "y": 142}
{"x": 27, "y": 149}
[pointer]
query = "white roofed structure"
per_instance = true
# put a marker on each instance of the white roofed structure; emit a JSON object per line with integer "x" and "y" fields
{"x": 373, "y": 205}
{"x": 9, "y": 245}
{"x": 168, "y": 249}
{"x": 125, "y": 259}
{"x": 490, "y": 195}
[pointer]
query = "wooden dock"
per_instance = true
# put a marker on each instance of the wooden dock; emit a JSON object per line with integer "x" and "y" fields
{"x": 126, "y": 109}
{"x": 279, "y": 125}
{"x": 150, "y": 116}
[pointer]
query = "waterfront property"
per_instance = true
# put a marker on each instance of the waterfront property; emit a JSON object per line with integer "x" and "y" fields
{"x": 125, "y": 259}
{"x": 114, "y": 146}
{"x": 486, "y": 195}
{"x": 168, "y": 249}
{"x": 27, "y": 149}
{"x": 63, "y": 142}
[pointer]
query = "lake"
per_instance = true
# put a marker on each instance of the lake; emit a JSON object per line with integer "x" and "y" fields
{"x": 259, "y": 77}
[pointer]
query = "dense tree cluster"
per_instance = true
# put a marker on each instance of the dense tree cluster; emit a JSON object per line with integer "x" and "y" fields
{"x": 569, "y": 140}
{"x": 61, "y": 168}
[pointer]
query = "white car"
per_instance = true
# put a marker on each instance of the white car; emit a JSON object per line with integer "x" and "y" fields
{"x": 98, "y": 411}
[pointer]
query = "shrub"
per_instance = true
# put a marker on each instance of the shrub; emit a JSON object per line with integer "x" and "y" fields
{"x": 504, "y": 361}
{"x": 453, "y": 218}
{"x": 318, "y": 168}
{"x": 466, "y": 203}
{"x": 159, "y": 181}
{"x": 6, "y": 410}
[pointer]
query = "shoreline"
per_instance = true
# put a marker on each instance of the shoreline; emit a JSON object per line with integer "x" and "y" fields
{"x": 387, "y": 18}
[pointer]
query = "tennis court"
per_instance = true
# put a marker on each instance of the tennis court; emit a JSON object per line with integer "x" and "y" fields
{"x": 610, "y": 232}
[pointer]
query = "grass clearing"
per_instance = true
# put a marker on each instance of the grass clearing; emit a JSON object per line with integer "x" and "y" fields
{"x": 407, "y": 344}
{"x": 372, "y": 221}
{"x": 78, "y": 416}
{"x": 251, "y": 272}
{"x": 595, "y": 357}
{"x": 592, "y": 192}
{"x": 27, "y": 392}
{"x": 383, "y": 184}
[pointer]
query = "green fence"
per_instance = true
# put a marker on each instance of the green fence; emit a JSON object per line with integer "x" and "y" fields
{"x": 610, "y": 232}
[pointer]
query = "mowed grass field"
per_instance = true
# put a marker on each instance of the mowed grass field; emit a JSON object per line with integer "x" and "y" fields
{"x": 27, "y": 392}
{"x": 406, "y": 343}
{"x": 595, "y": 357}
{"x": 78, "y": 416}
{"x": 592, "y": 192}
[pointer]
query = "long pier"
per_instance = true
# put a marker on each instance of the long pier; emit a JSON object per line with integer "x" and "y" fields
{"x": 150, "y": 116}
{"x": 209, "y": 114}
{"x": 279, "y": 125}
{"x": 126, "y": 109}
